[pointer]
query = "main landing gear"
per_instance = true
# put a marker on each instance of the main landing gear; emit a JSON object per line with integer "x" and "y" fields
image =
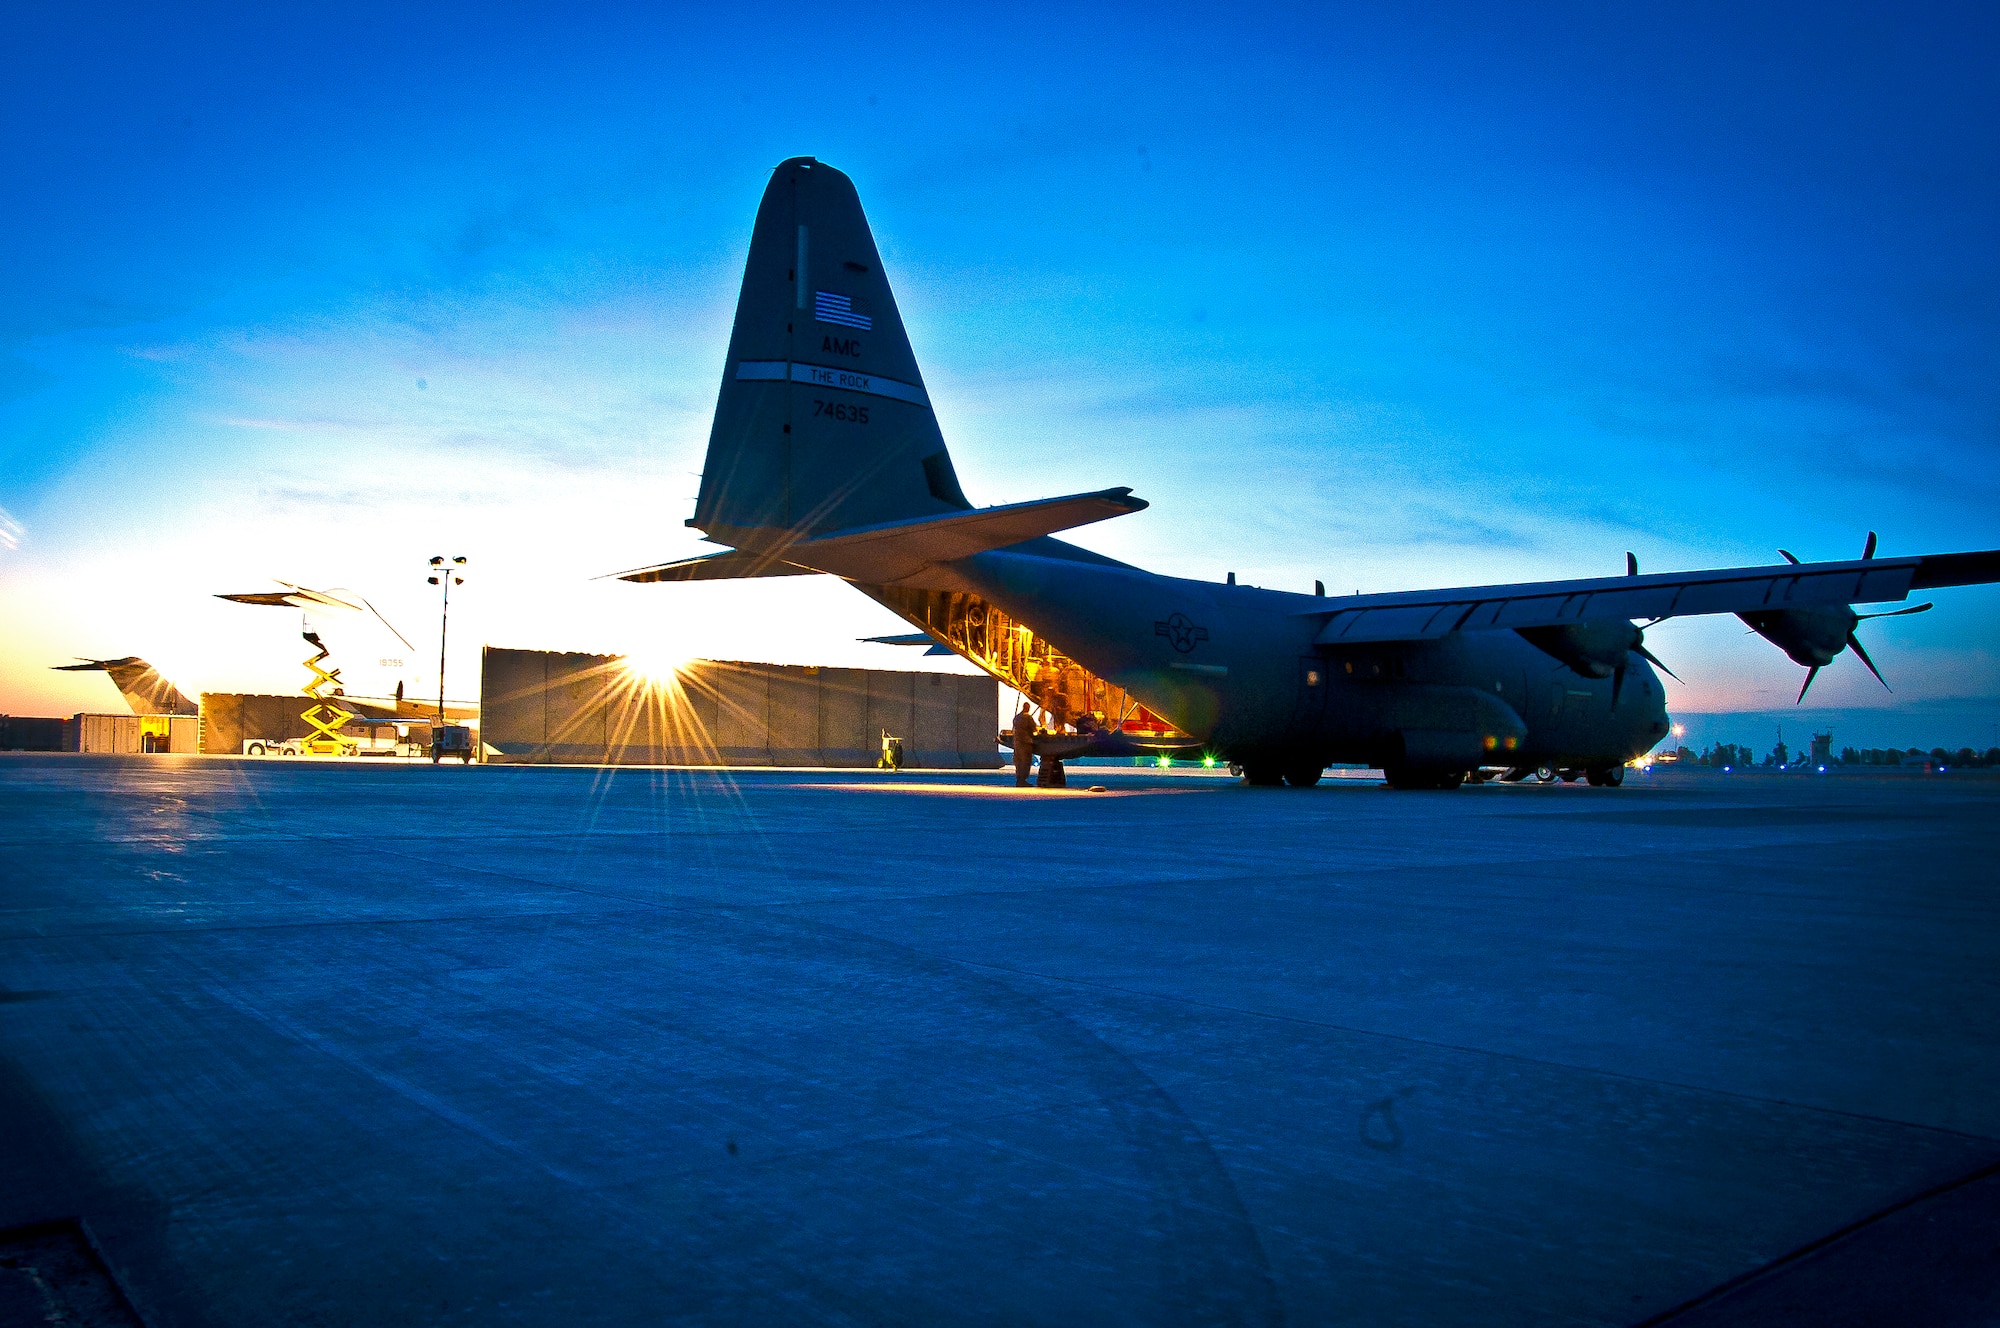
{"x": 1597, "y": 776}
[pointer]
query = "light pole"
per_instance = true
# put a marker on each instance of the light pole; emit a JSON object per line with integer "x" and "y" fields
{"x": 447, "y": 575}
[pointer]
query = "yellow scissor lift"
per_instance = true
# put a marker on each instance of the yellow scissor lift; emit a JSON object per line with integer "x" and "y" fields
{"x": 325, "y": 715}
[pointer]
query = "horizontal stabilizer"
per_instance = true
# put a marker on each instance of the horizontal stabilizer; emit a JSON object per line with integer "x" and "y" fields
{"x": 896, "y": 550}
{"x": 295, "y": 597}
{"x": 937, "y": 647}
{"x": 142, "y": 685}
{"x": 729, "y": 565}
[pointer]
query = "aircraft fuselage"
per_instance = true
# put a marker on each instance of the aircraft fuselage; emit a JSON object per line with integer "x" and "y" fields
{"x": 1237, "y": 668}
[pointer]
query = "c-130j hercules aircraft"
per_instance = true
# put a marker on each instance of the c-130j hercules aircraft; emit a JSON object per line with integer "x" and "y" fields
{"x": 825, "y": 457}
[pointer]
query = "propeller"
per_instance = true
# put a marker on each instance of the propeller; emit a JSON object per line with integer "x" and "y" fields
{"x": 1854, "y": 644}
{"x": 1896, "y": 613}
{"x": 1618, "y": 674}
{"x": 1639, "y": 645}
{"x": 1854, "y": 641}
{"x": 1654, "y": 660}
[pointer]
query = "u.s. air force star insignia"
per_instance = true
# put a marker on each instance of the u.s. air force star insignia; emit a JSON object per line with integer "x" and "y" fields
{"x": 1181, "y": 633}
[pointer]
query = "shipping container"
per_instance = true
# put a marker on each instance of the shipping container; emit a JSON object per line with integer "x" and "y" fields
{"x": 102, "y": 734}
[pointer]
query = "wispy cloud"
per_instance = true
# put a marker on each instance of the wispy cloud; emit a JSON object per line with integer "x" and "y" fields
{"x": 12, "y": 532}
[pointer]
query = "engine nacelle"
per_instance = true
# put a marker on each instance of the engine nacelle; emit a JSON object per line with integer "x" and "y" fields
{"x": 1811, "y": 637}
{"x": 1593, "y": 649}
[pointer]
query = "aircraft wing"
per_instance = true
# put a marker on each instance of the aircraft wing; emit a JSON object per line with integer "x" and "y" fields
{"x": 1424, "y": 614}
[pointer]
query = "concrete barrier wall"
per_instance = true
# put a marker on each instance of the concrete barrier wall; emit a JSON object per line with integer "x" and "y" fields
{"x": 844, "y": 736}
{"x": 541, "y": 707}
{"x": 575, "y": 726}
{"x": 227, "y": 718}
{"x": 932, "y": 739}
{"x": 31, "y": 733}
{"x": 792, "y": 704}
{"x": 978, "y": 715}
{"x": 511, "y": 698}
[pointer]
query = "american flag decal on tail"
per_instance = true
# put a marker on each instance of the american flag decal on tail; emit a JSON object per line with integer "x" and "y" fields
{"x": 829, "y": 307}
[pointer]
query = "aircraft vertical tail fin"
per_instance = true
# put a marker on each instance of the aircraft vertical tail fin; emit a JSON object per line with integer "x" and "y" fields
{"x": 822, "y": 422}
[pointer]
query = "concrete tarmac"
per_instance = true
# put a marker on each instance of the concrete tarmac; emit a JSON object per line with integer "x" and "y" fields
{"x": 335, "y": 1043}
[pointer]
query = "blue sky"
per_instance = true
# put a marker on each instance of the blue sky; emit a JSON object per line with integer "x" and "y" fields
{"x": 1384, "y": 296}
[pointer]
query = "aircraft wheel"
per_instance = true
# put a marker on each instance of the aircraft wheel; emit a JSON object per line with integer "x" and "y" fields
{"x": 1263, "y": 776}
{"x": 1608, "y": 776}
{"x": 1304, "y": 776}
{"x": 1545, "y": 774}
